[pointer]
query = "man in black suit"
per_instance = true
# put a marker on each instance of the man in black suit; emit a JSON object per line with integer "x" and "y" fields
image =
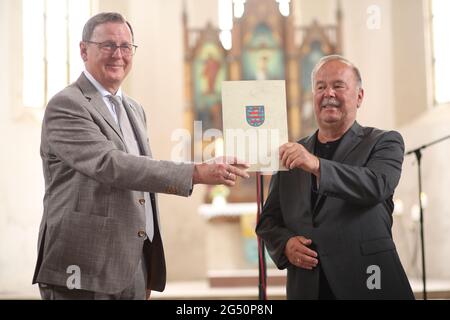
{"x": 328, "y": 219}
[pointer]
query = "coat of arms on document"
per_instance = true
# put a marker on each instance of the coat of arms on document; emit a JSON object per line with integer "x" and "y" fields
{"x": 255, "y": 115}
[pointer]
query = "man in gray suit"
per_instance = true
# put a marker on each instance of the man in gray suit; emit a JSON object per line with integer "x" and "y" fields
{"x": 328, "y": 219}
{"x": 100, "y": 236}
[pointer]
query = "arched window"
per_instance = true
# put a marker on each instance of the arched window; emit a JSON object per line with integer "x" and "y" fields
{"x": 51, "y": 32}
{"x": 440, "y": 23}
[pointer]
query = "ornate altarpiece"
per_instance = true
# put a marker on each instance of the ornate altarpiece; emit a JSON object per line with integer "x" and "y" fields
{"x": 265, "y": 46}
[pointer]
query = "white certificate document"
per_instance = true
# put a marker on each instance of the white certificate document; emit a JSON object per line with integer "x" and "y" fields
{"x": 255, "y": 122}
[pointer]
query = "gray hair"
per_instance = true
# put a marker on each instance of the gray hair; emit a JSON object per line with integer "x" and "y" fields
{"x": 102, "y": 18}
{"x": 336, "y": 57}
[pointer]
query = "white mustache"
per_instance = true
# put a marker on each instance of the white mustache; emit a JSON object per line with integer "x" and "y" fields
{"x": 330, "y": 102}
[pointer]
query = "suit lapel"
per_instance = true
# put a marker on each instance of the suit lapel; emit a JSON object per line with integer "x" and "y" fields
{"x": 139, "y": 131}
{"x": 349, "y": 142}
{"x": 305, "y": 177}
{"x": 96, "y": 101}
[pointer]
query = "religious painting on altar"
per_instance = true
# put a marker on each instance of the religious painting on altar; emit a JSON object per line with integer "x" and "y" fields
{"x": 209, "y": 70}
{"x": 318, "y": 41}
{"x": 307, "y": 63}
{"x": 262, "y": 57}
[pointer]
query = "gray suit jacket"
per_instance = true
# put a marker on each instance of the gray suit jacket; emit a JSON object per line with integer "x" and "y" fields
{"x": 350, "y": 223}
{"x": 94, "y": 215}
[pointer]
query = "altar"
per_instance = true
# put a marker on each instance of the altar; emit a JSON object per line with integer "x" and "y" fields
{"x": 231, "y": 246}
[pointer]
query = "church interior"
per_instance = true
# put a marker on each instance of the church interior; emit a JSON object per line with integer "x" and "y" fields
{"x": 186, "y": 48}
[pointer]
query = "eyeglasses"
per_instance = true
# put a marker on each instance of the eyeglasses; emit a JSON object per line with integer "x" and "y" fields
{"x": 110, "y": 47}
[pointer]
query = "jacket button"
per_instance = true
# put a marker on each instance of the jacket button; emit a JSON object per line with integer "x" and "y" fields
{"x": 171, "y": 190}
{"x": 142, "y": 201}
{"x": 141, "y": 234}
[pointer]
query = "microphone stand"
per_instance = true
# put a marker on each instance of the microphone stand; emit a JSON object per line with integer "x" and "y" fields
{"x": 418, "y": 154}
{"x": 262, "y": 285}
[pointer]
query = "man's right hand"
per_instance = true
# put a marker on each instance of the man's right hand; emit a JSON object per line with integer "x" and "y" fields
{"x": 299, "y": 254}
{"x": 219, "y": 171}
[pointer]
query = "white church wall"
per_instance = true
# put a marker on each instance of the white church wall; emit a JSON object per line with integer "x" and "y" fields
{"x": 157, "y": 82}
{"x": 409, "y": 40}
{"x": 22, "y": 188}
{"x": 367, "y": 37}
{"x": 430, "y": 126}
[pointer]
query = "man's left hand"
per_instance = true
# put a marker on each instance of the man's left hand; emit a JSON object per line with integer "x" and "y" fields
{"x": 294, "y": 155}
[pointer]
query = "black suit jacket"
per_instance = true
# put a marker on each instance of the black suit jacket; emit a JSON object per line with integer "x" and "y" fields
{"x": 350, "y": 223}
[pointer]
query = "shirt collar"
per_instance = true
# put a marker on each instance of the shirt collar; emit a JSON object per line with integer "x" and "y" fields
{"x": 99, "y": 87}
